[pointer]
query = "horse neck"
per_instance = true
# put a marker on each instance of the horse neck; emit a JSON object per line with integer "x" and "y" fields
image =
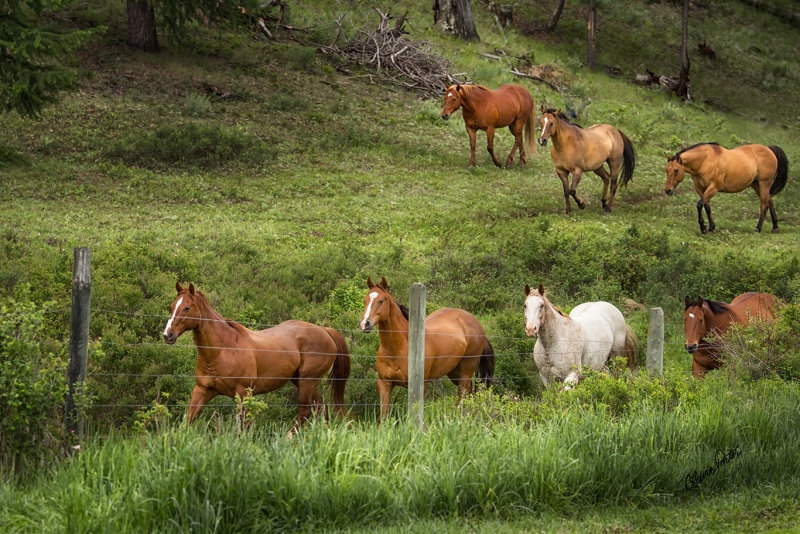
{"x": 718, "y": 322}
{"x": 564, "y": 134}
{"x": 469, "y": 100}
{"x": 211, "y": 332}
{"x": 555, "y": 325}
{"x": 394, "y": 331}
{"x": 693, "y": 159}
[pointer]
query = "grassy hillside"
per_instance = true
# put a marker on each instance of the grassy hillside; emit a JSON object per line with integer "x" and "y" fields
{"x": 280, "y": 201}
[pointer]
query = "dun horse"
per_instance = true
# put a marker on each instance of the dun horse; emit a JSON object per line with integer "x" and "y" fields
{"x": 576, "y": 150}
{"x": 455, "y": 344}
{"x": 704, "y": 319}
{"x": 232, "y": 359}
{"x": 483, "y": 109}
{"x": 586, "y": 337}
{"x": 715, "y": 169}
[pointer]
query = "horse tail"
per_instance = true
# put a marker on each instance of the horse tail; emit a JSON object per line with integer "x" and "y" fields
{"x": 530, "y": 132}
{"x": 629, "y": 348}
{"x": 782, "y": 174}
{"x": 628, "y": 159}
{"x": 340, "y": 371}
{"x": 485, "y": 371}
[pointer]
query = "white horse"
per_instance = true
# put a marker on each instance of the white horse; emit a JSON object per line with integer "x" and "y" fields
{"x": 587, "y": 336}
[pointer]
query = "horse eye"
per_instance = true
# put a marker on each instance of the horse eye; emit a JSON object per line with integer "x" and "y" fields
{"x": 186, "y": 308}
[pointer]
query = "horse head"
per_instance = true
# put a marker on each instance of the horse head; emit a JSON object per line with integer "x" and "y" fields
{"x": 675, "y": 173}
{"x": 694, "y": 324}
{"x": 185, "y": 314}
{"x": 548, "y": 123}
{"x": 534, "y": 310}
{"x": 452, "y": 101}
{"x": 377, "y": 304}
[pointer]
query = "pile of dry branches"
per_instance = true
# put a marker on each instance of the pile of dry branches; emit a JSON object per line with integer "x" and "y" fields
{"x": 396, "y": 60}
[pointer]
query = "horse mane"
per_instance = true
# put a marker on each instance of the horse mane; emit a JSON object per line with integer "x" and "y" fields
{"x": 681, "y": 151}
{"x": 716, "y": 306}
{"x": 203, "y": 301}
{"x": 547, "y": 300}
{"x": 563, "y": 117}
{"x": 404, "y": 309}
{"x": 470, "y": 87}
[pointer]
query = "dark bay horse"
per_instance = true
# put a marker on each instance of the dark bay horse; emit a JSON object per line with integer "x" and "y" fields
{"x": 232, "y": 359}
{"x": 715, "y": 169}
{"x": 576, "y": 150}
{"x": 483, "y": 109}
{"x": 455, "y": 344}
{"x": 704, "y": 321}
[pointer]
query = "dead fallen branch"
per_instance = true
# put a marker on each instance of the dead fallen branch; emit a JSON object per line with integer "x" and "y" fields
{"x": 536, "y": 78}
{"x": 396, "y": 60}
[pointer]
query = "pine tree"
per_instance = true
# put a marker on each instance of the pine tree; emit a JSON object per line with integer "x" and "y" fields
{"x": 34, "y": 55}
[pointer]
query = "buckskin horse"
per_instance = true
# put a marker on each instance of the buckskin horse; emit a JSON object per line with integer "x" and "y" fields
{"x": 576, "y": 150}
{"x": 233, "y": 360}
{"x": 588, "y": 336}
{"x": 483, "y": 109}
{"x": 715, "y": 169}
{"x": 704, "y": 319}
{"x": 455, "y": 344}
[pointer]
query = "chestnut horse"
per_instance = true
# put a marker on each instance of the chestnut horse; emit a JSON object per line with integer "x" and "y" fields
{"x": 483, "y": 109}
{"x": 710, "y": 318}
{"x": 232, "y": 359}
{"x": 715, "y": 169}
{"x": 455, "y": 344}
{"x": 576, "y": 150}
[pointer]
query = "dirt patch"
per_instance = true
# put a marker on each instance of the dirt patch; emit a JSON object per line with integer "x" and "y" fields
{"x": 552, "y": 72}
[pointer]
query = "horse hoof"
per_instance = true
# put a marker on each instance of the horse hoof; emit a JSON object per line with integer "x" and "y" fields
{"x": 776, "y": 230}
{"x": 606, "y": 209}
{"x": 581, "y": 205}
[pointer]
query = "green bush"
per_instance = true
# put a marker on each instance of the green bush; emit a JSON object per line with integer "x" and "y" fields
{"x": 32, "y": 388}
{"x": 192, "y": 145}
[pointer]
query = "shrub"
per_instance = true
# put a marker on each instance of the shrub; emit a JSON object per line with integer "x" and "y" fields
{"x": 197, "y": 105}
{"x": 192, "y": 145}
{"x": 32, "y": 388}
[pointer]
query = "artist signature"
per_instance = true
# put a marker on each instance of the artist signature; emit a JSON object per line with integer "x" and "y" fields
{"x": 721, "y": 458}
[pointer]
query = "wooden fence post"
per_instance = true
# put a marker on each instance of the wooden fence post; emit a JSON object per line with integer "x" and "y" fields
{"x": 79, "y": 337}
{"x": 655, "y": 342}
{"x": 416, "y": 354}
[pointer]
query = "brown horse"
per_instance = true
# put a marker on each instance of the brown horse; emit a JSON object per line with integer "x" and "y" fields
{"x": 455, "y": 344}
{"x": 232, "y": 359}
{"x": 715, "y": 169}
{"x": 576, "y": 150}
{"x": 710, "y": 318}
{"x": 483, "y": 109}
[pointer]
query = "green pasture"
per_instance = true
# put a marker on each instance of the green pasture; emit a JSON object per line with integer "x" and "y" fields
{"x": 279, "y": 202}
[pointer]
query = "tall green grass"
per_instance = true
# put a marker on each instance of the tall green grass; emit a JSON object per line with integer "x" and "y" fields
{"x": 347, "y": 475}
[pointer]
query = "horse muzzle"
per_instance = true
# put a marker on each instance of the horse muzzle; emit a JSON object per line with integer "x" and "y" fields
{"x": 669, "y": 192}
{"x": 366, "y": 327}
{"x": 445, "y": 116}
{"x": 532, "y": 330}
{"x": 543, "y": 142}
{"x": 691, "y": 348}
{"x": 169, "y": 338}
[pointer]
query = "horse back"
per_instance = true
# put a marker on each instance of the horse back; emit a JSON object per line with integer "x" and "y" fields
{"x": 294, "y": 336}
{"x": 753, "y": 305}
{"x": 450, "y": 327}
{"x": 499, "y": 107}
{"x": 600, "y": 321}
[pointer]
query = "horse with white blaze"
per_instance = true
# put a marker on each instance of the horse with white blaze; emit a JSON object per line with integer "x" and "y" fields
{"x": 588, "y": 336}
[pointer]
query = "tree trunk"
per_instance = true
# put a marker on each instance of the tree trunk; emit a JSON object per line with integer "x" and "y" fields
{"x": 455, "y": 18}
{"x": 591, "y": 52}
{"x": 683, "y": 81}
{"x": 142, "y": 26}
{"x": 556, "y": 15}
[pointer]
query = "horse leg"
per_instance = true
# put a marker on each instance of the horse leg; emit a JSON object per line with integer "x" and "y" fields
{"x": 762, "y": 189}
{"x": 200, "y": 397}
{"x": 774, "y": 216}
{"x": 307, "y": 396}
{"x": 544, "y": 380}
{"x": 705, "y": 198}
{"x": 698, "y": 371}
{"x": 472, "y": 140}
{"x": 571, "y": 380}
{"x": 385, "y": 394}
{"x": 576, "y": 179}
{"x": 603, "y": 174}
{"x": 490, "y": 145}
{"x": 564, "y": 176}
{"x": 517, "y": 133}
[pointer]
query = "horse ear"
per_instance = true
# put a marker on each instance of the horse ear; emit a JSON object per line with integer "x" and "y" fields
{"x": 191, "y": 288}
{"x": 542, "y": 106}
{"x": 370, "y": 285}
{"x": 558, "y": 112}
{"x": 384, "y": 284}
{"x": 686, "y": 301}
{"x": 458, "y": 88}
{"x": 668, "y": 156}
{"x": 700, "y": 301}
{"x": 527, "y": 290}
{"x": 541, "y": 289}
{"x": 178, "y": 287}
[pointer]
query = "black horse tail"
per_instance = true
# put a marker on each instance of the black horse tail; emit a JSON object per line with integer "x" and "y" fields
{"x": 485, "y": 371}
{"x": 628, "y": 159}
{"x": 782, "y": 174}
{"x": 340, "y": 371}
